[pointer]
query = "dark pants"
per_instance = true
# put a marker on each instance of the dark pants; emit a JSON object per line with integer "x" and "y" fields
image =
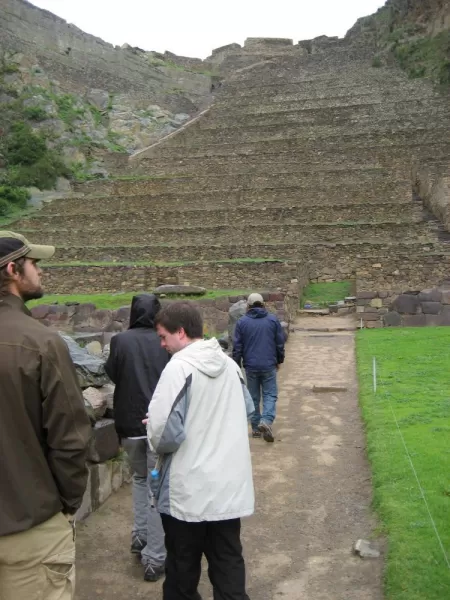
{"x": 220, "y": 542}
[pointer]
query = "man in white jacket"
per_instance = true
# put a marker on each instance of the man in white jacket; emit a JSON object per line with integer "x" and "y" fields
{"x": 197, "y": 422}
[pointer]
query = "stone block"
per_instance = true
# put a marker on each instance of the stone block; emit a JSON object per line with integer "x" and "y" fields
{"x": 40, "y": 312}
{"x": 94, "y": 348}
{"x": 222, "y": 304}
{"x": 431, "y": 295}
{"x": 107, "y": 336}
{"x": 97, "y": 399}
{"x": 122, "y": 314}
{"x": 406, "y": 304}
{"x": 360, "y": 309}
{"x": 376, "y": 302}
{"x": 86, "y": 338}
{"x": 276, "y": 297}
{"x": 383, "y": 311}
{"x": 180, "y": 290}
{"x": 86, "y": 505}
{"x": 116, "y": 327}
{"x": 104, "y": 443}
{"x": 104, "y": 483}
{"x": 366, "y": 295}
{"x": 116, "y": 475}
{"x": 374, "y": 324}
{"x": 431, "y": 308}
{"x": 445, "y": 297}
{"x": 362, "y": 302}
{"x": 392, "y": 319}
{"x": 414, "y": 321}
{"x": 383, "y": 295}
{"x": 435, "y": 320}
{"x": 265, "y": 296}
{"x": 83, "y": 312}
{"x": 370, "y": 317}
{"x": 371, "y": 309}
{"x": 100, "y": 319}
{"x": 445, "y": 315}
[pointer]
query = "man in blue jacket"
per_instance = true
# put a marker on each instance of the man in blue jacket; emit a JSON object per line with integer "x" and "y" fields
{"x": 259, "y": 345}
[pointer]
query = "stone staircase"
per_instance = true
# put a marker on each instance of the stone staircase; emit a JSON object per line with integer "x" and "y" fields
{"x": 304, "y": 163}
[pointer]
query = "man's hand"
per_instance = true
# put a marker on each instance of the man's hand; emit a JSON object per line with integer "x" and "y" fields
{"x": 145, "y": 421}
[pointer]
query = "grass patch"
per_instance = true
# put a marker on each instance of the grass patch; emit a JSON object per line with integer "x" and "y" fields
{"x": 112, "y": 301}
{"x": 322, "y": 294}
{"x": 413, "y": 378}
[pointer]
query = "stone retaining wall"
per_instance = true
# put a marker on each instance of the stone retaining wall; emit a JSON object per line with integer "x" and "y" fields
{"x": 86, "y": 318}
{"x": 111, "y": 279}
{"x": 430, "y": 307}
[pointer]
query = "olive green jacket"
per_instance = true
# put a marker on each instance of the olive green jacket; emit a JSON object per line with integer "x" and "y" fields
{"x": 44, "y": 428}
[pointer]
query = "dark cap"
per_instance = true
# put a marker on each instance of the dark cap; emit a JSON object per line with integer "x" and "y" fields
{"x": 14, "y": 246}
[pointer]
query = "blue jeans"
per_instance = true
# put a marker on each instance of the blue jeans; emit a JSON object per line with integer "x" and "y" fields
{"x": 264, "y": 382}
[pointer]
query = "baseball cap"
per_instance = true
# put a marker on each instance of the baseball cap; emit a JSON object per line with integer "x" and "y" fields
{"x": 254, "y": 298}
{"x": 14, "y": 246}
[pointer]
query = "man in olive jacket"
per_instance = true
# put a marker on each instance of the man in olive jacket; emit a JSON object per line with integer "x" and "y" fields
{"x": 44, "y": 434}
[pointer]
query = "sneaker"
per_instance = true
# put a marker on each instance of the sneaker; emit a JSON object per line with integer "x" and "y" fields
{"x": 256, "y": 433}
{"x": 266, "y": 431}
{"x": 137, "y": 545}
{"x": 153, "y": 573}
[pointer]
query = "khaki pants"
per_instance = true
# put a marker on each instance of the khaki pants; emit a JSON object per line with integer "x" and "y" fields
{"x": 39, "y": 564}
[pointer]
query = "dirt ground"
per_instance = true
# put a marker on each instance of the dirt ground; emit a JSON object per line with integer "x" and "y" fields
{"x": 313, "y": 493}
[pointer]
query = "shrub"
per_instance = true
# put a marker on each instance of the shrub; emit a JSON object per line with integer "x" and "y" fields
{"x": 14, "y": 195}
{"x": 376, "y": 62}
{"x": 23, "y": 147}
{"x": 42, "y": 174}
{"x": 5, "y": 207}
{"x": 34, "y": 113}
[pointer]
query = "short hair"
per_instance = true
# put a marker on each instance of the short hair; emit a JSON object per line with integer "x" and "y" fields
{"x": 5, "y": 279}
{"x": 177, "y": 315}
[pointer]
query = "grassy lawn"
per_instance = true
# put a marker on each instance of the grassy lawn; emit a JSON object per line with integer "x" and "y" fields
{"x": 117, "y": 300}
{"x": 414, "y": 379}
{"x": 322, "y": 294}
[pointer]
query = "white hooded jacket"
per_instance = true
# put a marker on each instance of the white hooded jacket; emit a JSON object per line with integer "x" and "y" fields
{"x": 198, "y": 421}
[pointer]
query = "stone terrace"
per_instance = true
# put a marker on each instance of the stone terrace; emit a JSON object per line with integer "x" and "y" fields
{"x": 303, "y": 158}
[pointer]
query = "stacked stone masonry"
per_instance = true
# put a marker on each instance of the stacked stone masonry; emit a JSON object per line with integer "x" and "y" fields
{"x": 308, "y": 156}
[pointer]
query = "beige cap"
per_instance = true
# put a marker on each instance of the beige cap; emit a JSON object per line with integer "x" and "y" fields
{"x": 254, "y": 298}
{"x": 14, "y": 246}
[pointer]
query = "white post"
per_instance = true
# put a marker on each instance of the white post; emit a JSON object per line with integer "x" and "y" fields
{"x": 374, "y": 369}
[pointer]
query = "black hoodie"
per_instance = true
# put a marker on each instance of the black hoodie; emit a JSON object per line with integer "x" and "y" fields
{"x": 135, "y": 364}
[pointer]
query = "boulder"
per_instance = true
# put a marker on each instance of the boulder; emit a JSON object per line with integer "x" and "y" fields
{"x": 90, "y": 369}
{"x": 392, "y": 319}
{"x": 431, "y": 308}
{"x": 406, "y": 304}
{"x": 97, "y": 399}
{"x": 99, "y": 98}
{"x": 432, "y": 295}
{"x": 179, "y": 290}
{"x": 104, "y": 443}
{"x": 236, "y": 311}
{"x": 94, "y": 348}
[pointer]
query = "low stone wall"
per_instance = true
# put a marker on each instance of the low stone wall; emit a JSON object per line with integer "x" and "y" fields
{"x": 86, "y": 318}
{"x": 111, "y": 279}
{"x": 430, "y": 307}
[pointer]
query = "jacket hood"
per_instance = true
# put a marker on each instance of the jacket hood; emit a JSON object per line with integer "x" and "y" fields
{"x": 257, "y": 313}
{"x": 205, "y": 355}
{"x": 144, "y": 308}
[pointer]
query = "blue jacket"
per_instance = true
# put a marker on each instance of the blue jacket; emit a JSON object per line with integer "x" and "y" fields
{"x": 258, "y": 341}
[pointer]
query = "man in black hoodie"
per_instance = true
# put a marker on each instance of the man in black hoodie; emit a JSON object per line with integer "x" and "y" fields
{"x": 135, "y": 364}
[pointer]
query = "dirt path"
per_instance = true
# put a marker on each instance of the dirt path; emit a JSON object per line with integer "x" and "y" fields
{"x": 312, "y": 488}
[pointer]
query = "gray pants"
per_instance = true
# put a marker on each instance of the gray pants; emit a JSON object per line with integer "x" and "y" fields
{"x": 147, "y": 521}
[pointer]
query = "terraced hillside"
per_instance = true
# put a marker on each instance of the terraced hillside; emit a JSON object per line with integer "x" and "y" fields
{"x": 303, "y": 162}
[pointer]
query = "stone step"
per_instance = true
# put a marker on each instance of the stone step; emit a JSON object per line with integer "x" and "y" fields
{"x": 286, "y": 151}
{"x": 318, "y": 256}
{"x": 372, "y": 106}
{"x": 375, "y": 212}
{"x": 108, "y": 198}
{"x": 88, "y": 279}
{"x": 359, "y": 179}
{"x": 308, "y": 132}
{"x": 251, "y": 233}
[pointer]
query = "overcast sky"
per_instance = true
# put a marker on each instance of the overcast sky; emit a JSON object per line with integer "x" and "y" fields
{"x": 195, "y": 27}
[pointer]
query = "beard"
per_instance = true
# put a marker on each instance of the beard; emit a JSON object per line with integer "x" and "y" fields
{"x": 31, "y": 294}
